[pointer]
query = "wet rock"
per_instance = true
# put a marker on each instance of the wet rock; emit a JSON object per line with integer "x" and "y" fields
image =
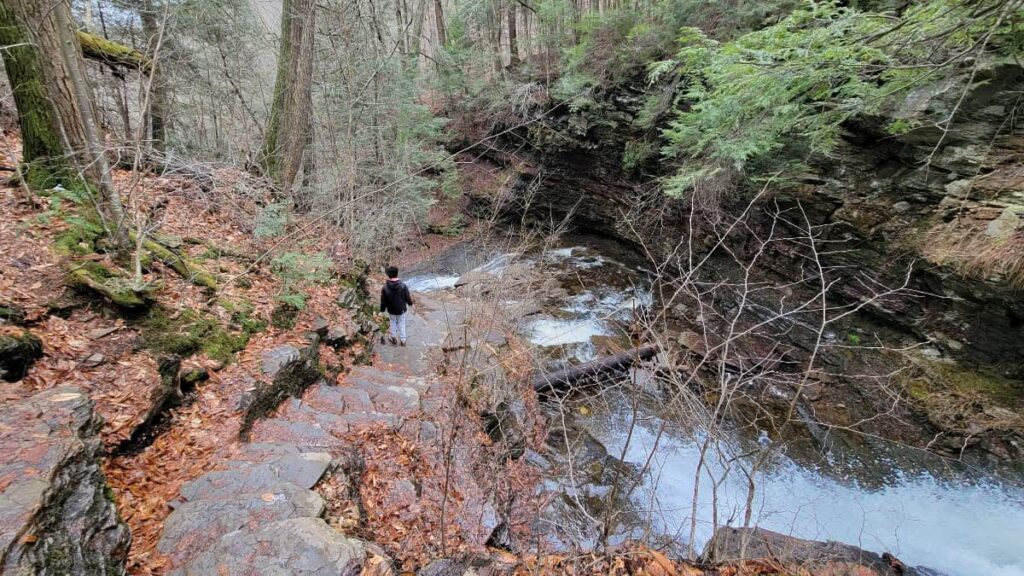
{"x": 293, "y": 370}
{"x": 56, "y": 516}
{"x": 298, "y": 547}
{"x": 194, "y": 527}
{"x": 507, "y": 425}
{"x": 303, "y": 469}
{"x": 732, "y": 544}
{"x": 18, "y": 352}
{"x": 274, "y": 360}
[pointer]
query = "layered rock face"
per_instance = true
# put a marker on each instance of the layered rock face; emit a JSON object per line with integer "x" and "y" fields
{"x": 56, "y": 513}
{"x": 938, "y": 215}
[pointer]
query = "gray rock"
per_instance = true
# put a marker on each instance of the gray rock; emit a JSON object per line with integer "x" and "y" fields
{"x": 275, "y": 359}
{"x": 194, "y": 527}
{"x": 304, "y": 470}
{"x": 53, "y": 490}
{"x": 1004, "y": 226}
{"x": 296, "y": 547}
{"x": 901, "y": 207}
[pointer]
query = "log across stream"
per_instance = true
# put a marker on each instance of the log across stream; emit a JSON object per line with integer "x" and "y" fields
{"x": 928, "y": 512}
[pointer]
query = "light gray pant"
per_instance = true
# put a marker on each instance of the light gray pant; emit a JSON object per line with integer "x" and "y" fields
{"x": 397, "y": 328}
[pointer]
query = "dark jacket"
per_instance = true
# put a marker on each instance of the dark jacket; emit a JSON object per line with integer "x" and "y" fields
{"x": 395, "y": 297}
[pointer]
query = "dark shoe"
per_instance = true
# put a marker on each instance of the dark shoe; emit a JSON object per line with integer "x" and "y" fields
{"x": 394, "y": 340}
{"x": 403, "y": 342}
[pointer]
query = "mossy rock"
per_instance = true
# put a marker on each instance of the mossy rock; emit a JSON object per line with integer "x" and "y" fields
{"x": 17, "y": 353}
{"x": 11, "y": 313}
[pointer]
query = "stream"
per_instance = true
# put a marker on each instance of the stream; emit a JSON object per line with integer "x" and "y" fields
{"x": 926, "y": 511}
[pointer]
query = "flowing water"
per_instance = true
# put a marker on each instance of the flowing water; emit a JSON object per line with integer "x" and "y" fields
{"x": 926, "y": 511}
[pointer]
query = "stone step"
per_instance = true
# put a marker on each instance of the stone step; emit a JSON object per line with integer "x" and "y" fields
{"x": 388, "y": 378}
{"x": 195, "y": 527}
{"x": 305, "y": 435}
{"x": 338, "y": 399}
{"x": 401, "y": 400}
{"x": 299, "y": 547}
{"x": 303, "y": 469}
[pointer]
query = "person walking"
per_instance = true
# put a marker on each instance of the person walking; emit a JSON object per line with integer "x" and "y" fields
{"x": 395, "y": 299}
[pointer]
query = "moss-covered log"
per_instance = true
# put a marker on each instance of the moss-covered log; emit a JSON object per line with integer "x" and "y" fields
{"x": 111, "y": 285}
{"x": 111, "y": 53}
{"x": 179, "y": 264}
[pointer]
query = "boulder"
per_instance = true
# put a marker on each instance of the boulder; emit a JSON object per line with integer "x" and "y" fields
{"x": 56, "y": 512}
{"x": 292, "y": 369}
{"x": 295, "y": 547}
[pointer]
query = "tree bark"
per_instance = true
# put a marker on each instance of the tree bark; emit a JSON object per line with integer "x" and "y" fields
{"x": 156, "y": 115}
{"x": 58, "y": 60}
{"x": 42, "y": 143}
{"x": 442, "y": 35}
{"x": 285, "y": 136}
{"x": 513, "y": 36}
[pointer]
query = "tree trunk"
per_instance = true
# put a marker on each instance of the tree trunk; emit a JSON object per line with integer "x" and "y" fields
{"x": 442, "y": 35}
{"x": 513, "y": 36}
{"x": 285, "y": 136}
{"x": 58, "y": 62}
{"x": 42, "y": 144}
{"x": 156, "y": 115}
{"x": 561, "y": 380}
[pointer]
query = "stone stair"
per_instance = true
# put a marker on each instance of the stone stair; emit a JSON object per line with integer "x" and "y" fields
{"x": 258, "y": 514}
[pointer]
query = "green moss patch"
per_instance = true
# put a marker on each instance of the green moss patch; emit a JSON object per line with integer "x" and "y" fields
{"x": 191, "y": 333}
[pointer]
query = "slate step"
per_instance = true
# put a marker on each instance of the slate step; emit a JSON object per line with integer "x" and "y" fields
{"x": 302, "y": 469}
{"x": 295, "y": 547}
{"x": 194, "y": 527}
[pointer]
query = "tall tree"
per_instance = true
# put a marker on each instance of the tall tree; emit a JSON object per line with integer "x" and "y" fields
{"x": 285, "y": 137}
{"x": 55, "y": 101}
{"x": 513, "y": 35}
{"x": 442, "y": 35}
{"x": 158, "y": 101}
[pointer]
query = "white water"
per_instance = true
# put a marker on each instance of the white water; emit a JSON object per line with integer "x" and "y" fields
{"x": 957, "y": 528}
{"x": 960, "y": 529}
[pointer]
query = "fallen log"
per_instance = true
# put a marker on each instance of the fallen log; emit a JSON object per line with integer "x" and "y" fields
{"x": 559, "y": 380}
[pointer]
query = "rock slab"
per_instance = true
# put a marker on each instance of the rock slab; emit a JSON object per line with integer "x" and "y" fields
{"x": 56, "y": 515}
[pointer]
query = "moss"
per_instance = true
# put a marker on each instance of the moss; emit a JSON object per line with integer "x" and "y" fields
{"x": 181, "y": 265}
{"x": 98, "y": 48}
{"x": 76, "y": 241}
{"x": 17, "y": 353}
{"x": 190, "y": 333}
{"x": 243, "y": 282}
{"x": 284, "y": 316}
{"x": 939, "y": 376}
{"x": 111, "y": 284}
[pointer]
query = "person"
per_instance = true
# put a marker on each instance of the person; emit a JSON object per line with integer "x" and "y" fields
{"x": 395, "y": 299}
